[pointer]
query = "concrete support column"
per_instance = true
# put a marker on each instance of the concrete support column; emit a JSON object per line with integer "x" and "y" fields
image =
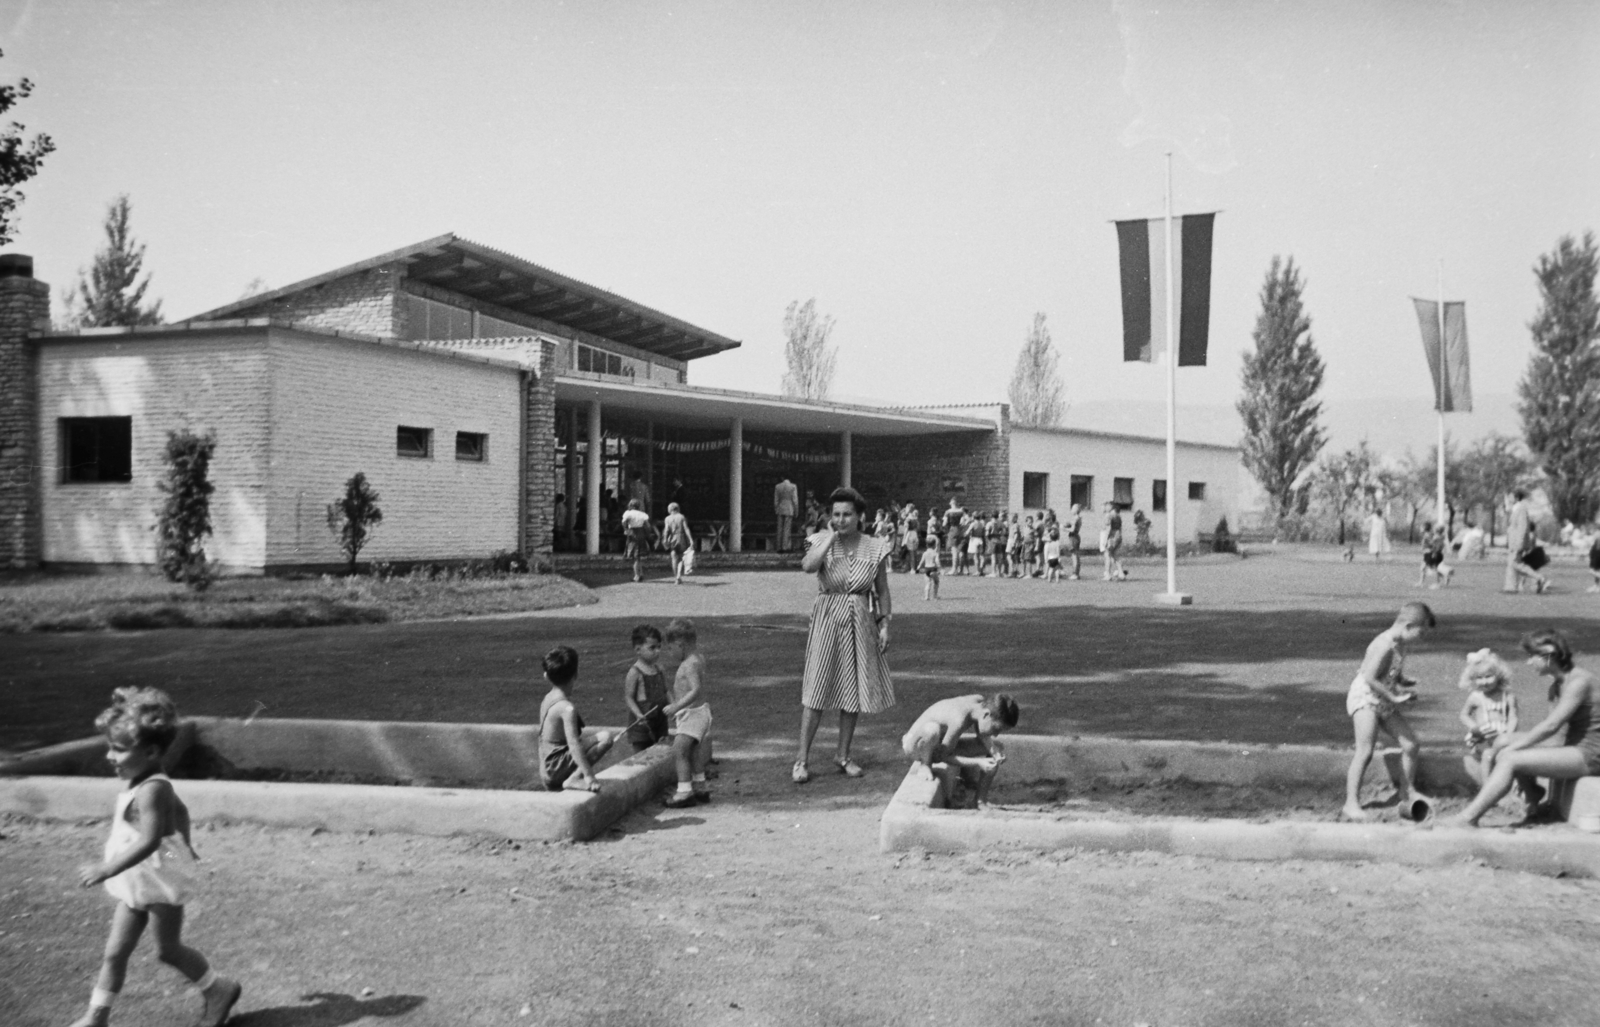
{"x": 844, "y": 459}
{"x": 569, "y": 516}
{"x": 736, "y": 486}
{"x": 594, "y": 466}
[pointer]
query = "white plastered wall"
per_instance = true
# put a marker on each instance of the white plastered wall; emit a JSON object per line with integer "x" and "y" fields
{"x": 1062, "y": 453}
{"x": 336, "y": 404}
{"x": 204, "y": 382}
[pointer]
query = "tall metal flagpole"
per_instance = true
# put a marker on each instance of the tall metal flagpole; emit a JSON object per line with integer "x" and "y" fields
{"x": 1440, "y": 520}
{"x": 1172, "y": 410}
{"x": 1172, "y": 595}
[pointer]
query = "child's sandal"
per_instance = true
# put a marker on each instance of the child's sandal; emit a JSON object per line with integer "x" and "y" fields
{"x": 848, "y": 767}
{"x": 800, "y": 774}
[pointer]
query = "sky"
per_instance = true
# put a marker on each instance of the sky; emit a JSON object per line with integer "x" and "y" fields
{"x": 932, "y": 173}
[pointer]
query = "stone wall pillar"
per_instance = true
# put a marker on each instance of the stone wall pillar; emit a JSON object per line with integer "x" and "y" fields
{"x": 539, "y": 462}
{"x": 24, "y": 311}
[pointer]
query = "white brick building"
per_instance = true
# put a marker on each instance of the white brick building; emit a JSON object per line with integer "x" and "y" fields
{"x": 295, "y": 413}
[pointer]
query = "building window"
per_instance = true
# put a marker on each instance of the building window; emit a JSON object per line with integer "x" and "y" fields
{"x": 471, "y": 445}
{"x": 1158, "y": 496}
{"x": 413, "y": 442}
{"x": 1035, "y": 490}
{"x": 1082, "y": 493}
{"x": 1122, "y": 493}
{"x": 600, "y": 362}
{"x": 1197, "y": 490}
{"x": 96, "y": 449}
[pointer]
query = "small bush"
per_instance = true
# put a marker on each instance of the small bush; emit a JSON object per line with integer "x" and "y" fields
{"x": 1222, "y": 540}
{"x": 184, "y": 519}
{"x": 354, "y": 517}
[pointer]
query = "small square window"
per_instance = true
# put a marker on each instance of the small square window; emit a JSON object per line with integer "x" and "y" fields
{"x": 1083, "y": 491}
{"x": 1197, "y": 490}
{"x": 416, "y": 443}
{"x": 97, "y": 449}
{"x": 1158, "y": 496}
{"x": 471, "y": 445}
{"x": 1035, "y": 490}
{"x": 1122, "y": 493}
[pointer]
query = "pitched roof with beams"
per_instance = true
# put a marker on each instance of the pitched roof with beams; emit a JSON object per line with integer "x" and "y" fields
{"x": 488, "y": 275}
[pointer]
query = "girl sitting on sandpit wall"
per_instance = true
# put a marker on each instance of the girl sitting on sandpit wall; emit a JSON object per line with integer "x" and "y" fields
{"x": 1523, "y": 759}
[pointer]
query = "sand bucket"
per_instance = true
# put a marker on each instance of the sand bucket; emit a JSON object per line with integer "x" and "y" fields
{"x": 1419, "y": 809}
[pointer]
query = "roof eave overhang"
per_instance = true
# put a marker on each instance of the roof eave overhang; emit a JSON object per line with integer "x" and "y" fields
{"x": 691, "y": 406}
{"x": 496, "y": 278}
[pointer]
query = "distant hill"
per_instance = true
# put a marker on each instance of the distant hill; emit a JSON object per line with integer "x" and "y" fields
{"x": 1391, "y": 425}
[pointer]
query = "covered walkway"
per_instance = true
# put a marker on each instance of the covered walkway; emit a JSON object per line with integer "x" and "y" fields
{"x": 717, "y": 453}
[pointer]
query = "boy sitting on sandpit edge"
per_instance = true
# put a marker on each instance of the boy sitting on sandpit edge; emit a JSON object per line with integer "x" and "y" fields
{"x": 566, "y": 754}
{"x": 932, "y": 740}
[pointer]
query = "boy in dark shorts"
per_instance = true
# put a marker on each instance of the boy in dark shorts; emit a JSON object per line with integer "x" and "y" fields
{"x": 566, "y": 756}
{"x": 644, "y": 689}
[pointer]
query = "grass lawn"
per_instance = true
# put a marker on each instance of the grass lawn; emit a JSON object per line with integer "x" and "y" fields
{"x": 772, "y": 904}
{"x": 138, "y": 601}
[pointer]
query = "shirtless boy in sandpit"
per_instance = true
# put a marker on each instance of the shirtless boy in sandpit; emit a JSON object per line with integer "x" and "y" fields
{"x": 934, "y": 737}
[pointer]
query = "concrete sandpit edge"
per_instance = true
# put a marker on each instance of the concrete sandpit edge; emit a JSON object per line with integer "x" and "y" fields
{"x": 505, "y": 813}
{"x": 915, "y": 818}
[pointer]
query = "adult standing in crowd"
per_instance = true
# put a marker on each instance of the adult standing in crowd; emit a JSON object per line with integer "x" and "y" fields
{"x": 785, "y": 503}
{"x": 845, "y": 665}
{"x": 639, "y": 489}
{"x": 1523, "y": 759}
{"x": 1520, "y": 541}
{"x": 1377, "y": 535}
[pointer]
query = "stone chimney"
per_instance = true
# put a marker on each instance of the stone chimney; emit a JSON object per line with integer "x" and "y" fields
{"x": 24, "y": 311}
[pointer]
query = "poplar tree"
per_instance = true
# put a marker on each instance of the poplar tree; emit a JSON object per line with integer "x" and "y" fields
{"x": 1560, "y": 391}
{"x": 1036, "y": 388}
{"x": 809, "y": 361}
{"x": 1281, "y": 379}
{"x": 111, "y": 294}
{"x": 19, "y": 159}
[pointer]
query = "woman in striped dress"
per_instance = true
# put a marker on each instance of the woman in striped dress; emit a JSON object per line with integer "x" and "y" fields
{"x": 845, "y": 665}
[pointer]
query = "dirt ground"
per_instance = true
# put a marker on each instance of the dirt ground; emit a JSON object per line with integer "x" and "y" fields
{"x": 772, "y": 904}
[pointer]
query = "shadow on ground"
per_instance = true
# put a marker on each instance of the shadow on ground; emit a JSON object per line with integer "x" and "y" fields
{"x": 1238, "y": 675}
{"x": 328, "y": 1009}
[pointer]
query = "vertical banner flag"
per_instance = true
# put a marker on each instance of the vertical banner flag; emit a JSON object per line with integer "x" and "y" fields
{"x": 1453, "y": 390}
{"x": 1143, "y": 249}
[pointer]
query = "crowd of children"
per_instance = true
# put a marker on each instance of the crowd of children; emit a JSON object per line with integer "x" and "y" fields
{"x": 1000, "y": 545}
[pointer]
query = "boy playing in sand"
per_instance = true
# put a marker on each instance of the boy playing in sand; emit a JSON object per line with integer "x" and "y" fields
{"x": 566, "y": 757}
{"x": 1376, "y": 695}
{"x": 934, "y": 737}
{"x": 691, "y": 747}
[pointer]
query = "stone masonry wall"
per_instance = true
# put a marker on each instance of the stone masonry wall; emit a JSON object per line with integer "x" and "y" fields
{"x": 364, "y": 302}
{"x": 24, "y": 309}
{"x": 539, "y": 455}
{"x": 917, "y": 468}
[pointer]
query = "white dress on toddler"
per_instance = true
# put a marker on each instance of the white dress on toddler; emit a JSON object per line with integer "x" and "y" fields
{"x": 166, "y": 875}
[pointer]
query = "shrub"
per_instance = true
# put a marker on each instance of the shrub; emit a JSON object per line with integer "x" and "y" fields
{"x": 184, "y": 519}
{"x": 1222, "y": 540}
{"x": 354, "y": 517}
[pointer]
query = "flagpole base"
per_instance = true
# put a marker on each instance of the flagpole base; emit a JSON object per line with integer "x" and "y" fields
{"x": 1174, "y": 598}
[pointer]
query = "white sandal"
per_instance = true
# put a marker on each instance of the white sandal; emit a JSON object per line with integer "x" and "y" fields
{"x": 800, "y": 774}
